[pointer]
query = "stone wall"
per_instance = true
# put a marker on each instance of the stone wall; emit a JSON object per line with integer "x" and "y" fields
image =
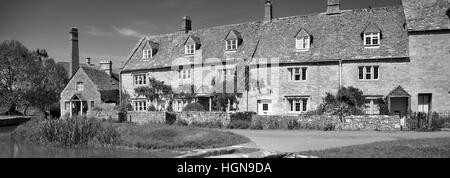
{"x": 104, "y": 111}
{"x": 146, "y": 117}
{"x": 203, "y": 117}
{"x": 350, "y": 123}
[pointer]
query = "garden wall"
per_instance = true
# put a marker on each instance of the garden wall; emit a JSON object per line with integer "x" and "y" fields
{"x": 146, "y": 117}
{"x": 382, "y": 123}
{"x": 104, "y": 111}
{"x": 189, "y": 117}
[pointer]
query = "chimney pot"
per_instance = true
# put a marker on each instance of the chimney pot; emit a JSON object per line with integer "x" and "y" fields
{"x": 106, "y": 66}
{"x": 268, "y": 11}
{"x": 333, "y": 7}
{"x": 186, "y": 24}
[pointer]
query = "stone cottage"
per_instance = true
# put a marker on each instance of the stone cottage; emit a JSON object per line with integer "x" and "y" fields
{"x": 89, "y": 85}
{"x": 399, "y": 53}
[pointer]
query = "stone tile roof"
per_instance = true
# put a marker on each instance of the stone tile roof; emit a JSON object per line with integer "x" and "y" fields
{"x": 103, "y": 81}
{"x": 424, "y": 15}
{"x": 334, "y": 37}
{"x": 399, "y": 91}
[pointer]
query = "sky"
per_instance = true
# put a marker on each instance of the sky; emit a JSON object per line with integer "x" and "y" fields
{"x": 109, "y": 29}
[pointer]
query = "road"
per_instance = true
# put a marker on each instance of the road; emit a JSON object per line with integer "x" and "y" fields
{"x": 296, "y": 141}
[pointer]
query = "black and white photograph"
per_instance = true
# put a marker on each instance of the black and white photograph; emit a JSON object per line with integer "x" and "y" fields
{"x": 229, "y": 79}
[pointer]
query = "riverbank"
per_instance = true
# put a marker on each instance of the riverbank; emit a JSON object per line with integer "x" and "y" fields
{"x": 94, "y": 134}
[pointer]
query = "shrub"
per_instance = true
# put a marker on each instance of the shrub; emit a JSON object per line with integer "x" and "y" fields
{"x": 293, "y": 124}
{"x": 194, "y": 107}
{"x": 180, "y": 122}
{"x": 171, "y": 118}
{"x": 122, "y": 116}
{"x": 348, "y": 101}
{"x": 257, "y": 125}
{"x": 151, "y": 108}
{"x": 239, "y": 124}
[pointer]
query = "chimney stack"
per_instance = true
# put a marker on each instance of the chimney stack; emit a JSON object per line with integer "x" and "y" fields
{"x": 268, "y": 11}
{"x": 88, "y": 61}
{"x": 186, "y": 24}
{"x": 333, "y": 7}
{"x": 106, "y": 66}
{"x": 75, "y": 63}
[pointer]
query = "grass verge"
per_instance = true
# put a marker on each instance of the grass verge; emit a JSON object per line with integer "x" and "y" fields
{"x": 409, "y": 148}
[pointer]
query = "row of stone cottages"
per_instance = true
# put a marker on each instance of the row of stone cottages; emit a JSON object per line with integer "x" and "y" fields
{"x": 400, "y": 53}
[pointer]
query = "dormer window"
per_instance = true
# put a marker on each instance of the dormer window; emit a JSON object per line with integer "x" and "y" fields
{"x": 189, "y": 49}
{"x": 231, "y": 45}
{"x": 302, "y": 40}
{"x": 372, "y": 39}
{"x": 302, "y": 43}
{"x": 372, "y": 35}
{"x": 191, "y": 45}
{"x": 147, "y": 54}
{"x": 233, "y": 40}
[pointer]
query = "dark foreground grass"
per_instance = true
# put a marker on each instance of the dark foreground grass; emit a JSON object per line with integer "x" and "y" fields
{"x": 410, "y": 148}
{"x": 91, "y": 132}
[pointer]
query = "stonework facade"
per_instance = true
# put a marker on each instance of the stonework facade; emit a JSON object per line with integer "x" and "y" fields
{"x": 408, "y": 56}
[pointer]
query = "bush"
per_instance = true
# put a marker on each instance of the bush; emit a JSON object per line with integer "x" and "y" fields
{"x": 257, "y": 125}
{"x": 239, "y": 124}
{"x": 171, "y": 118}
{"x": 293, "y": 124}
{"x": 151, "y": 108}
{"x": 348, "y": 101}
{"x": 122, "y": 116}
{"x": 194, "y": 107}
{"x": 55, "y": 112}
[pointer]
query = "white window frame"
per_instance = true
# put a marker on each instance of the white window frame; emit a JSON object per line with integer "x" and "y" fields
{"x": 185, "y": 74}
{"x": 293, "y": 103}
{"x": 231, "y": 45}
{"x": 302, "y": 43}
{"x": 140, "y": 105}
{"x": 293, "y": 72}
{"x": 80, "y": 86}
{"x": 147, "y": 53}
{"x": 140, "y": 79}
{"x": 371, "y": 73}
{"x": 189, "y": 49}
{"x": 372, "y": 37}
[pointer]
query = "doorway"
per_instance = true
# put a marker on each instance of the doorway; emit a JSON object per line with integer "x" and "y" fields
{"x": 424, "y": 103}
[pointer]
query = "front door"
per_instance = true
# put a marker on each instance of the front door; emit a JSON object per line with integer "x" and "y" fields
{"x": 424, "y": 103}
{"x": 76, "y": 108}
{"x": 399, "y": 105}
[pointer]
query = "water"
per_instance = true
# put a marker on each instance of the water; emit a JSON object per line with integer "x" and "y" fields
{"x": 12, "y": 149}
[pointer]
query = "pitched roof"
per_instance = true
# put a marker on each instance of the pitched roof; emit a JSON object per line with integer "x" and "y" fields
{"x": 423, "y": 15}
{"x": 399, "y": 91}
{"x": 302, "y": 33}
{"x": 103, "y": 81}
{"x": 335, "y": 37}
{"x": 372, "y": 28}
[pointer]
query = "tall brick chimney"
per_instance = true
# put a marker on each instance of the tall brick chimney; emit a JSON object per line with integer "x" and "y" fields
{"x": 88, "y": 61}
{"x": 186, "y": 24}
{"x": 268, "y": 11}
{"x": 106, "y": 66}
{"x": 75, "y": 63}
{"x": 333, "y": 7}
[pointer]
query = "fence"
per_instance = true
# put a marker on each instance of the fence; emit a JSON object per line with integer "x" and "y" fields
{"x": 428, "y": 122}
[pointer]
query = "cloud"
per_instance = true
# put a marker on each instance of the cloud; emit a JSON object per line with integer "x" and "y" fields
{"x": 128, "y": 32}
{"x": 91, "y": 30}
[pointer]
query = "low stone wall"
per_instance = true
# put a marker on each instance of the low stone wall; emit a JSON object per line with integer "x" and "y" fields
{"x": 350, "y": 123}
{"x": 104, "y": 111}
{"x": 203, "y": 117}
{"x": 379, "y": 123}
{"x": 146, "y": 117}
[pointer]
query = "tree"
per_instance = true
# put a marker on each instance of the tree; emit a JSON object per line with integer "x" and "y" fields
{"x": 348, "y": 101}
{"x": 17, "y": 70}
{"x": 156, "y": 91}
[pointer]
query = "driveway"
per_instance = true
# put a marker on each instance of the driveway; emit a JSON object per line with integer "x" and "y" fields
{"x": 296, "y": 141}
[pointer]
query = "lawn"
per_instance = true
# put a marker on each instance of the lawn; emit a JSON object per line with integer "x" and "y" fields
{"x": 408, "y": 148}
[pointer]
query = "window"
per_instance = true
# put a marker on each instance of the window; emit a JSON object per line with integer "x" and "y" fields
{"x": 147, "y": 54}
{"x": 265, "y": 107}
{"x": 424, "y": 103}
{"x": 140, "y": 105}
{"x": 184, "y": 74}
{"x": 140, "y": 79}
{"x": 231, "y": 45}
{"x": 92, "y": 104}
{"x": 372, "y": 39}
{"x": 80, "y": 86}
{"x": 297, "y": 74}
{"x": 298, "y": 105}
{"x": 368, "y": 73}
{"x": 302, "y": 43}
{"x": 190, "y": 49}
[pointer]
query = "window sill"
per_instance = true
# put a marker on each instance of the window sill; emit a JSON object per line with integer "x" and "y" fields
{"x": 301, "y": 50}
{"x": 230, "y": 51}
{"x": 374, "y": 80}
{"x": 371, "y": 46}
{"x": 298, "y": 81}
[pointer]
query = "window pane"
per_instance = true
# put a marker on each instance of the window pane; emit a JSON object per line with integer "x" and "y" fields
{"x": 375, "y": 41}
{"x": 305, "y": 104}
{"x": 265, "y": 107}
{"x": 297, "y": 76}
{"x": 368, "y": 40}
{"x": 291, "y": 104}
{"x": 375, "y": 72}
{"x": 361, "y": 73}
{"x": 297, "y": 106}
{"x": 303, "y": 73}
{"x": 368, "y": 73}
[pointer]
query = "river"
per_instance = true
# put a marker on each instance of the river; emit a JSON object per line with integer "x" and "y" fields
{"x": 11, "y": 149}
